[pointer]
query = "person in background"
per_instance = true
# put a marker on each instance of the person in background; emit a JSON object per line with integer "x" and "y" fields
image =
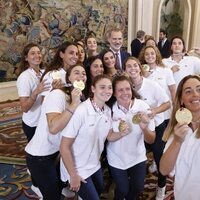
{"x": 180, "y": 64}
{"x": 138, "y": 43}
{"x": 29, "y": 90}
{"x": 83, "y": 141}
{"x": 43, "y": 149}
{"x": 164, "y": 45}
{"x": 91, "y": 46}
{"x": 155, "y": 96}
{"x": 93, "y": 67}
{"x": 150, "y": 42}
{"x": 81, "y": 53}
{"x": 115, "y": 40}
{"x": 127, "y": 155}
{"x": 109, "y": 62}
{"x": 181, "y": 155}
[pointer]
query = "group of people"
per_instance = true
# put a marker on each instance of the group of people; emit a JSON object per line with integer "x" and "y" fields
{"x": 123, "y": 110}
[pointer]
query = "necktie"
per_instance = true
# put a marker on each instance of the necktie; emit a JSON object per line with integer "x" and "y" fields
{"x": 117, "y": 61}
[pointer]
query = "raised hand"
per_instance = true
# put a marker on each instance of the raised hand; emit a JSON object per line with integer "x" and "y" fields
{"x": 180, "y": 131}
{"x": 144, "y": 120}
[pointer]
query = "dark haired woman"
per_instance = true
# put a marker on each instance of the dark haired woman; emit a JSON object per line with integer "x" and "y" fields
{"x": 43, "y": 149}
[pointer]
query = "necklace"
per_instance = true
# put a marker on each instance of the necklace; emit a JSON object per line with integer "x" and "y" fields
{"x": 123, "y": 109}
{"x": 96, "y": 107}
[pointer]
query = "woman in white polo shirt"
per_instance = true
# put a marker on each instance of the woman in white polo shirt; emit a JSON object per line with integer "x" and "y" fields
{"x": 65, "y": 57}
{"x": 158, "y": 72}
{"x": 162, "y": 75}
{"x": 180, "y": 63}
{"x": 156, "y": 97}
{"x": 83, "y": 141}
{"x": 127, "y": 156}
{"x": 30, "y": 88}
{"x": 43, "y": 149}
{"x": 182, "y": 153}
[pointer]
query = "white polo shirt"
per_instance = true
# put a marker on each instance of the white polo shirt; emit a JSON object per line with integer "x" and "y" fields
{"x": 164, "y": 77}
{"x": 27, "y": 82}
{"x": 189, "y": 65}
{"x": 152, "y": 93}
{"x": 187, "y": 176}
{"x": 90, "y": 130}
{"x": 129, "y": 150}
{"x": 43, "y": 142}
{"x": 49, "y": 79}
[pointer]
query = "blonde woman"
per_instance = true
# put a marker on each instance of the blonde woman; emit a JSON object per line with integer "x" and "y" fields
{"x": 181, "y": 157}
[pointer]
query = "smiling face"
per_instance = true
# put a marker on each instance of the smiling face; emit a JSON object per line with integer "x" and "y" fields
{"x": 34, "y": 57}
{"x": 70, "y": 56}
{"x": 191, "y": 95}
{"x": 116, "y": 40}
{"x": 109, "y": 60}
{"x": 123, "y": 93}
{"x": 77, "y": 73}
{"x": 150, "y": 56}
{"x": 102, "y": 91}
{"x": 96, "y": 68}
{"x": 132, "y": 68}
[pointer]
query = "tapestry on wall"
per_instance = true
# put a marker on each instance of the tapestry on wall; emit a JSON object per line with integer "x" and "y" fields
{"x": 50, "y": 22}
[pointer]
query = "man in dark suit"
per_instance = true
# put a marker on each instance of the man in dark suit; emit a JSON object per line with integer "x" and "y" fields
{"x": 164, "y": 44}
{"x": 115, "y": 40}
{"x": 138, "y": 43}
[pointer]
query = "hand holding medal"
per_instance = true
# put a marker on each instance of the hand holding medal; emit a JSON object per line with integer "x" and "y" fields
{"x": 146, "y": 68}
{"x": 56, "y": 75}
{"x": 123, "y": 128}
{"x": 141, "y": 119}
{"x": 79, "y": 85}
{"x": 183, "y": 115}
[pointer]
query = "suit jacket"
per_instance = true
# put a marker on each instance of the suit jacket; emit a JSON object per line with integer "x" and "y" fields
{"x": 165, "y": 50}
{"x": 124, "y": 56}
{"x": 136, "y": 47}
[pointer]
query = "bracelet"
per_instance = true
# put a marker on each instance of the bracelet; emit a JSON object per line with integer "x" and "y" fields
{"x": 69, "y": 111}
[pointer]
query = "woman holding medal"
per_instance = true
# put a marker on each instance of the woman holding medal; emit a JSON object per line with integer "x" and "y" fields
{"x": 43, "y": 149}
{"x": 181, "y": 155}
{"x": 83, "y": 141}
{"x": 158, "y": 72}
{"x": 153, "y": 94}
{"x": 162, "y": 75}
{"x": 127, "y": 155}
{"x": 65, "y": 57}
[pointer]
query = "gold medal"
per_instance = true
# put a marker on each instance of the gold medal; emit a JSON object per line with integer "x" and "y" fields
{"x": 56, "y": 74}
{"x": 122, "y": 126}
{"x": 79, "y": 84}
{"x": 183, "y": 115}
{"x": 146, "y": 67}
{"x": 136, "y": 119}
